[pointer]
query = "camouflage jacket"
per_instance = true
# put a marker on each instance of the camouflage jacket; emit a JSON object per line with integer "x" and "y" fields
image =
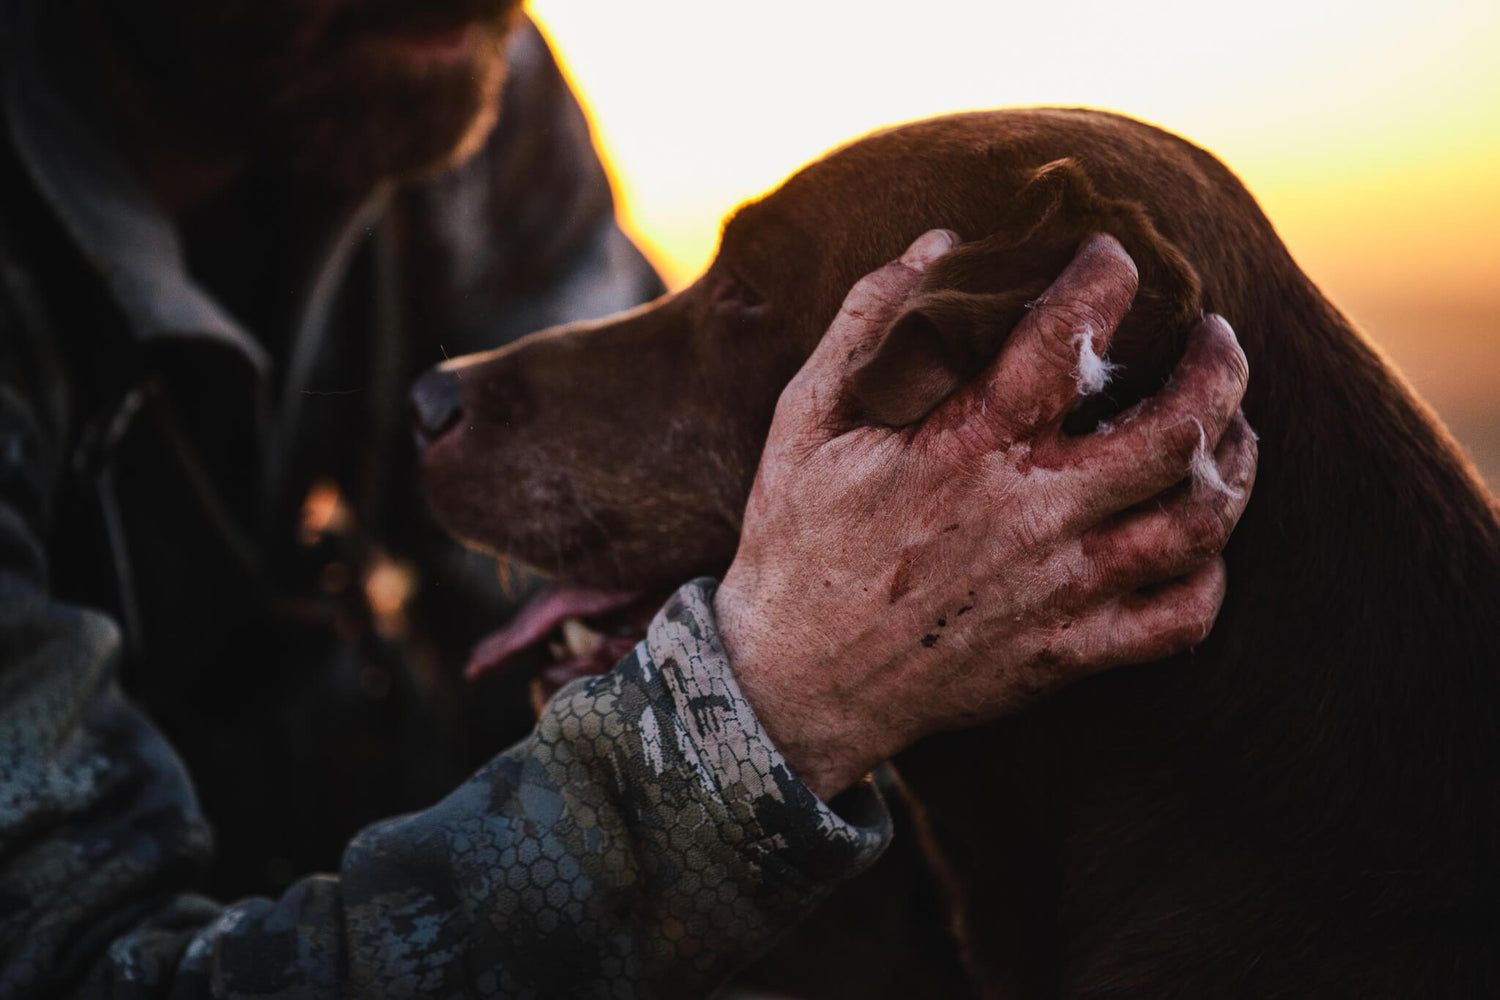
{"x": 645, "y": 840}
{"x": 184, "y": 648}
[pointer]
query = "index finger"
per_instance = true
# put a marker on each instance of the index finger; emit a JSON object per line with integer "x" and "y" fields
{"x": 1056, "y": 353}
{"x": 874, "y": 301}
{"x": 867, "y": 311}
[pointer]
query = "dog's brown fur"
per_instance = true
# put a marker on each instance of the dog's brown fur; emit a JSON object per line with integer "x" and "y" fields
{"x": 1307, "y": 805}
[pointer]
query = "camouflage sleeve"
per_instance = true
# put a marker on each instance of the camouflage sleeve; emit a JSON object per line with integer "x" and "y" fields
{"x": 645, "y": 840}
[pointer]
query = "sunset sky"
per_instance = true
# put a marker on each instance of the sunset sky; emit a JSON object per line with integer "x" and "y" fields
{"x": 1369, "y": 131}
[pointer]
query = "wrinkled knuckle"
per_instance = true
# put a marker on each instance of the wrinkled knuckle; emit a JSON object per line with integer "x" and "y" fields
{"x": 1072, "y": 594}
{"x": 1238, "y": 364}
{"x": 870, "y": 286}
{"x": 1058, "y": 326}
{"x": 1190, "y": 626}
{"x": 876, "y": 295}
{"x": 1228, "y": 391}
{"x": 1210, "y": 526}
{"x": 1203, "y": 626}
{"x": 794, "y": 406}
{"x": 1129, "y": 560}
{"x": 976, "y": 434}
{"x": 1246, "y": 458}
{"x": 794, "y": 391}
{"x": 1227, "y": 509}
{"x": 1203, "y": 605}
{"x": 1111, "y": 566}
{"x": 1179, "y": 441}
{"x": 1127, "y": 276}
{"x": 1215, "y": 537}
{"x": 1233, "y": 354}
{"x": 1071, "y": 316}
{"x": 1224, "y": 379}
{"x": 1199, "y": 544}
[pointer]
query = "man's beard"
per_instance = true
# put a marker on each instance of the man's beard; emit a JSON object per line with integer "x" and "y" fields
{"x": 382, "y": 120}
{"x": 312, "y": 85}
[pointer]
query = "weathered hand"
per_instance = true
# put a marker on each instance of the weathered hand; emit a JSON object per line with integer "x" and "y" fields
{"x": 895, "y": 582}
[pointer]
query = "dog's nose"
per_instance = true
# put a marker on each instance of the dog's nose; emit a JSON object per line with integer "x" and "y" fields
{"x": 436, "y": 404}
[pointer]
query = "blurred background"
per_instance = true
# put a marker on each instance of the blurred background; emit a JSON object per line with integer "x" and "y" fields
{"x": 1369, "y": 131}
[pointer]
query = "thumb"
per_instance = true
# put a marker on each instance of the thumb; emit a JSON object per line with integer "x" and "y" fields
{"x": 869, "y": 308}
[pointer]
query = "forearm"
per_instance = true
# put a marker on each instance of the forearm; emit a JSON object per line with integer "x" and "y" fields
{"x": 645, "y": 831}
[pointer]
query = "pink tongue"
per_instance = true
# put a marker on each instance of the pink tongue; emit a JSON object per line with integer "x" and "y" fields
{"x": 538, "y": 618}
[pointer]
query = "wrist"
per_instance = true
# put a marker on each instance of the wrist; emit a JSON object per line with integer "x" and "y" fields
{"x": 815, "y": 730}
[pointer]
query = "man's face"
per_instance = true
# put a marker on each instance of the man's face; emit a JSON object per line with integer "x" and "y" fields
{"x": 347, "y": 90}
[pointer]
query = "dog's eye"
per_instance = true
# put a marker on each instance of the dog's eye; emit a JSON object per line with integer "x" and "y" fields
{"x": 732, "y": 294}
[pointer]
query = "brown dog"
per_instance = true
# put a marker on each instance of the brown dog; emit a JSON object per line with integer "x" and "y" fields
{"x": 1310, "y": 807}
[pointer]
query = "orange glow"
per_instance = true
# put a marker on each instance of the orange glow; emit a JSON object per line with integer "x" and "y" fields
{"x": 324, "y": 512}
{"x": 1370, "y": 132}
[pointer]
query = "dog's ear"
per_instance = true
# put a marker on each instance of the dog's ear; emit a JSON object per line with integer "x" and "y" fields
{"x": 941, "y": 340}
{"x": 970, "y": 299}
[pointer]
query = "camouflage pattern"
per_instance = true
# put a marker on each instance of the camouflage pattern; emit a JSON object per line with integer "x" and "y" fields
{"x": 645, "y": 840}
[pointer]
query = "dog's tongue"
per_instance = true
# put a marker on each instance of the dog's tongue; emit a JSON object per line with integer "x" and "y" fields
{"x": 537, "y": 619}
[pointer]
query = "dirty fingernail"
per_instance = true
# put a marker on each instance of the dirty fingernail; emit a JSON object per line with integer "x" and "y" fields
{"x": 929, "y": 247}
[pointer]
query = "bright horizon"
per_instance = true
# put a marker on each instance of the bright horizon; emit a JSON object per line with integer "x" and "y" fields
{"x": 1370, "y": 133}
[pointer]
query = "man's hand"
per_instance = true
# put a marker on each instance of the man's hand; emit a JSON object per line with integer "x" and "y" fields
{"x": 895, "y": 582}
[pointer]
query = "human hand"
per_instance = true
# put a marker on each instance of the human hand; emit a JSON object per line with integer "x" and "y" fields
{"x": 893, "y": 582}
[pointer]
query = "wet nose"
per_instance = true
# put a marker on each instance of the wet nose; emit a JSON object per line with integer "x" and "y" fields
{"x": 436, "y": 404}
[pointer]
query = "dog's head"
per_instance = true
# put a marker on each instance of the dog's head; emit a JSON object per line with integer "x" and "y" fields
{"x": 620, "y": 453}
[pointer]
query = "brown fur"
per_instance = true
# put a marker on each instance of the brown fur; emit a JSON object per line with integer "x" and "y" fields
{"x": 1305, "y": 806}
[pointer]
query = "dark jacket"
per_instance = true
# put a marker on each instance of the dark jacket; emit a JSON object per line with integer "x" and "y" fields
{"x": 215, "y": 535}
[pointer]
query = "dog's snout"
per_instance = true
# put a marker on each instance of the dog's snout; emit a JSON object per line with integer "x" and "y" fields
{"x": 436, "y": 404}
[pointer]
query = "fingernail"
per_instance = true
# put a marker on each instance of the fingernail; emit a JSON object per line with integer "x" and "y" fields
{"x": 929, "y": 247}
{"x": 1105, "y": 245}
{"x": 1220, "y": 321}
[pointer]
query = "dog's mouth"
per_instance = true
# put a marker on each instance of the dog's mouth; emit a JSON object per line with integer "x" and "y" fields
{"x": 586, "y": 632}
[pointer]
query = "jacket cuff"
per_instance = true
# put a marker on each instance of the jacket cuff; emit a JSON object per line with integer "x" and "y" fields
{"x": 788, "y": 829}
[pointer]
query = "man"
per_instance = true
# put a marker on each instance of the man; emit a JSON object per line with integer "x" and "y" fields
{"x": 232, "y": 231}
